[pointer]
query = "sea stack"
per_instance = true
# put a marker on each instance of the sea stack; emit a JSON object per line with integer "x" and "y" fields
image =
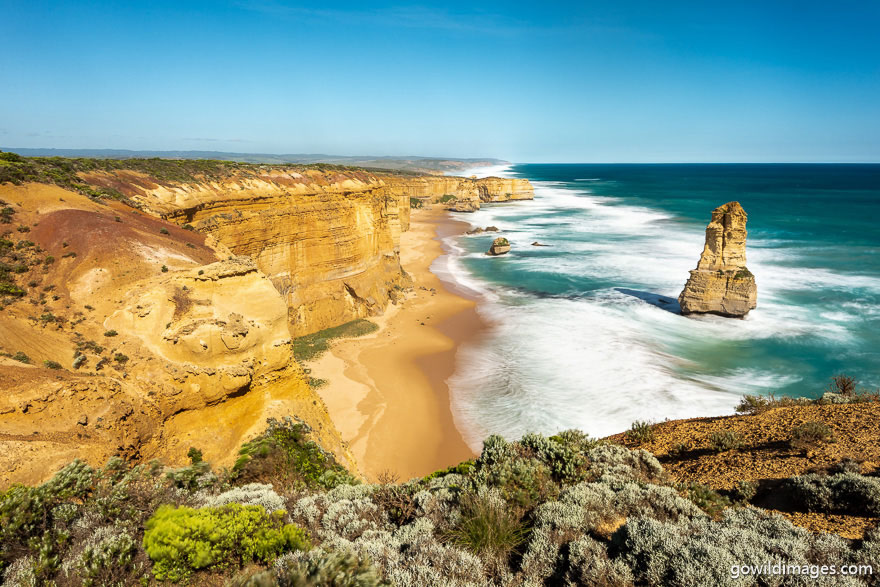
{"x": 500, "y": 246}
{"x": 721, "y": 284}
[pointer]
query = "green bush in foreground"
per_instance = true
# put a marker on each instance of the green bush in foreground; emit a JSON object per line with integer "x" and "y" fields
{"x": 183, "y": 540}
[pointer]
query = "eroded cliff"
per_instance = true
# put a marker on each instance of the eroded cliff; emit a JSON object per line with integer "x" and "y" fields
{"x": 136, "y": 337}
{"x": 328, "y": 240}
{"x": 142, "y": 332}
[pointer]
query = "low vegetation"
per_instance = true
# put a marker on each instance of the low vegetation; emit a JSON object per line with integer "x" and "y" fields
{"x": 640, "y": 432}
{"x": 565, "y": 510}
{"x": 311, "y": 346}
{"x": 842, "y": 390}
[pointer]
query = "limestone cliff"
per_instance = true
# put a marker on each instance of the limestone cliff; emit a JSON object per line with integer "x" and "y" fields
{"x": 469, "y": 193}
{"x": 721, "y": 283}
{"x": 137, "y": 338}
{"x": 144, "y": 332}
{"x": 328, "y": 240}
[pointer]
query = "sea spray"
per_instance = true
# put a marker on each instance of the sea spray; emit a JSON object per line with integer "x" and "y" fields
{"x": 585, "y": 333}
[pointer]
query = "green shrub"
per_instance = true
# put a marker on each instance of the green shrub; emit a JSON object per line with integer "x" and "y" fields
{"x": 110, "y": 333}
{"x": 752, "y": 404}
{"x": 446, "y": 198}
{"x": 27, "y": 514}
{"x": 120, "y": 358}
{"x": 21, "y": 357}
{"x": 47, "y": 317}
{"x": 810, "y": 434}
{"x": 487, "y": 528}
{"x": 724, "y": 440}
{"x": 49, "y": 260}
{"x": 163, "y": 231}
{"x": 188, "y": 227}
{"x": 744, "y": 491}
{"x": 9, "y": 289}
{"x": 706, "y": 498}
{"x": 416, "y": 203}
{"x": 51, "y": 364}
{"x": 164, "y": 269}
{"x": 285, "y": 453}
{"x": 640, "y": 432}
{"x": 183, "y": 540}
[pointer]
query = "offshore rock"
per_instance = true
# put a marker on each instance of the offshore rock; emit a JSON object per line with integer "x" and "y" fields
{"x": 500, "y": 246}
{"x": 722, "y": 284}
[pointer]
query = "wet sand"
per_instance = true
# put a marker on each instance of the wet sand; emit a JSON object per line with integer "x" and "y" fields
{"x": 387, "y": 392}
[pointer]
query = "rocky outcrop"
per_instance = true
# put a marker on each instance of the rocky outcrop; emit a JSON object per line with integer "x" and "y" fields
{"x": 479, "y": 230}
{"x": 500, "y": 246}
{"x": 465, "y": 205}
{"x": 721, "y": 283}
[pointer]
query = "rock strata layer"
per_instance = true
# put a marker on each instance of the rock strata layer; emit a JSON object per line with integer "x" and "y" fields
{"x": 722, "y": 284}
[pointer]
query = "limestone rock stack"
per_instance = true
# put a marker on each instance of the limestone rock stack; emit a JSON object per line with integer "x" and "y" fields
{"x": 500, "y": 246}
{"x": 721, "y": 283}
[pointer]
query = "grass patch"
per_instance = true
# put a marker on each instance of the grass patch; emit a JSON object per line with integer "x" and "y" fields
{"x": 312, "y": 346}
{"x": 487, "y": 529}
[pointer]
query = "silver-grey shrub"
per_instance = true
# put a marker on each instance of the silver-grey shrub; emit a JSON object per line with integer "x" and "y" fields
{"x": 700, "y": 551}
{"x": 599, "y": 507}
{"x": 251, "y": 494}
{"x": 847, "y": 492}
{"x": 619, "y": 462}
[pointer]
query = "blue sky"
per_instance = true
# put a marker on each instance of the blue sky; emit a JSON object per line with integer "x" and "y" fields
{"x": 770, "y": 80}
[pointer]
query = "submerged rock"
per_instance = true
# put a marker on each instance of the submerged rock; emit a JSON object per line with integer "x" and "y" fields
{"x": 721, "y": 283}
{"x": 537, "y": 244}
{"x": 500, "y": 246}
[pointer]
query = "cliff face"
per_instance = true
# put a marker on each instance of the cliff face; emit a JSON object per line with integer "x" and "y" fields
{"x": 721, "y": 283}
{"x": 328, "y": 240}
{"x": 171, "y": 326}
{"x": 139, "y": 339}
{"x": 469, "y": 193}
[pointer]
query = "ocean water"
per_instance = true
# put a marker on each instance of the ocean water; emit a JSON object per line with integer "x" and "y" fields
{"x": 585, "y": 333}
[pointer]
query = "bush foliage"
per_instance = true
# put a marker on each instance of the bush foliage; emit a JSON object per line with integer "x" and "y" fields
{"x": 182, "y": 540}
{"x": 564, "y": 510}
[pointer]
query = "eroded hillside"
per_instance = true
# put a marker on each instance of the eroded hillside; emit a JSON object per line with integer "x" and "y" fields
{"x": 141, "y": 330}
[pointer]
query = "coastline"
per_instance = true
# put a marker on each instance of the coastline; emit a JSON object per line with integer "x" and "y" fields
{"x": 387, "y": 392}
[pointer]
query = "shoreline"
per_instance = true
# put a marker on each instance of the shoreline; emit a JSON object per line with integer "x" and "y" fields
{"x": 387, "y": 392}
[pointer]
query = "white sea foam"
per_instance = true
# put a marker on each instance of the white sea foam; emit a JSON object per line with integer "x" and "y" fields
{"x": 601, "y": 359}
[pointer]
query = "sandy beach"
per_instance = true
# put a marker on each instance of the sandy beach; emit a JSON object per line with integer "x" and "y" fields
{"x": 387, "y": 392}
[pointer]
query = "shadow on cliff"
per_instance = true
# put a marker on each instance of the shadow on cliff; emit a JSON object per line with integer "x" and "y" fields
{"x": 662, "y": 302}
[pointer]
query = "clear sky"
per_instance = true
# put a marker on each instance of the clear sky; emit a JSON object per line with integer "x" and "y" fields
{"x": 766, "y": 80}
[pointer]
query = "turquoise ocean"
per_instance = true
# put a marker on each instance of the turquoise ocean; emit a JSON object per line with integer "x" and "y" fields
{"x": 584, "y": 333}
